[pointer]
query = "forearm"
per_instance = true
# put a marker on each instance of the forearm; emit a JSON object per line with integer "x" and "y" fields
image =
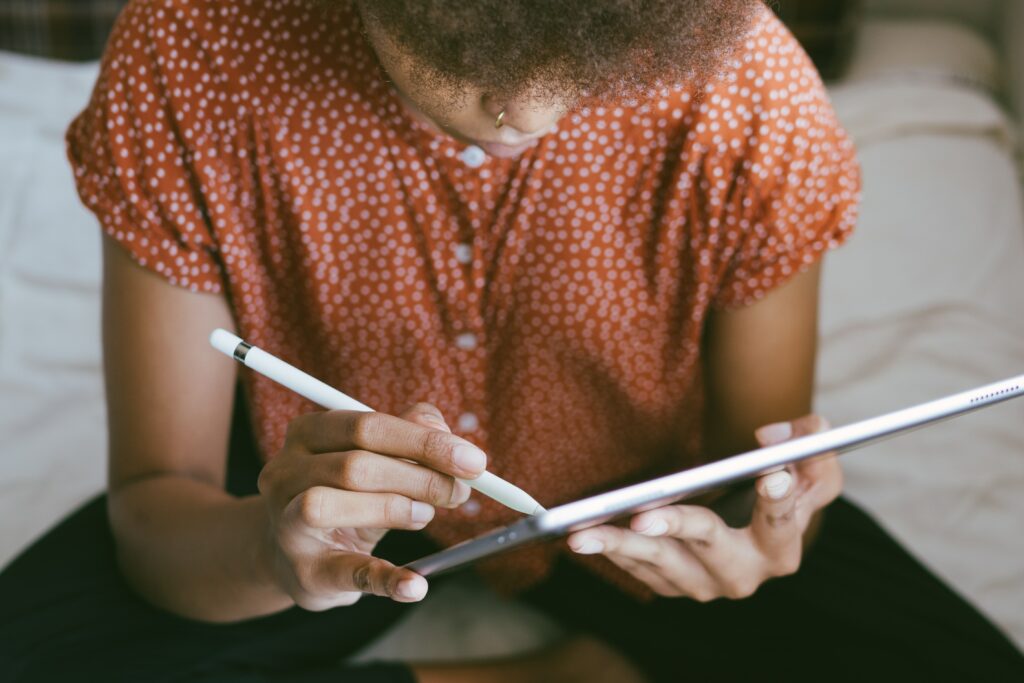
{"x": 194, "y": 550}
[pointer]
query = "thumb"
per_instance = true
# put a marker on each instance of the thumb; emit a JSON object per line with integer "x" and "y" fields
{"x": 368, "y": 574}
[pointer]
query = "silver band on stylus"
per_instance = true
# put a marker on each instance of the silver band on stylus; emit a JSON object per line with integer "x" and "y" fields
{"x": 240, "y": 351}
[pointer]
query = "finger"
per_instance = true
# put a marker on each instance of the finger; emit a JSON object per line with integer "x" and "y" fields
{"x": 668, "y": 568}
{"x": 703, "y": 531}
{"x": 708, "y": 540}
{"x": 426, "y": 414}
{"x": 778, "y": 432}
{"x": 613, "y": 540}
{"x": 774, "y": 524}
{"x": 342, "y": 430}
{"x": 820, "y": 479}
{"x": 367, "y": 574}
{"x": 322, "y": 507}
{"x": 810, "y": 424}
{"x": 374, "y": 473}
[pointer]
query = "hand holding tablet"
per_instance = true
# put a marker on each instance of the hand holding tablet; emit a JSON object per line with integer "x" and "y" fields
{"x": 689, "y": 550}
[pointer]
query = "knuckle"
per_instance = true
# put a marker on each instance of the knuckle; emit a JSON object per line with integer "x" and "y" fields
{"x": 366, "y": 428}
{"x": 779, "y": 518}
{"x": 788, "y": 563}
{"x": 354, "y": 470}
{"x": 293, "y": 428}
{"x": 436, "y": 446}
{"x": 361, "y": 578}
{"x": 267, "y": 481}
{"x": 703, "y": 595}
{"x": 298, "y": 427}
{"x": 439, "y": 489}
{"x": 397, "y": 510}
{"x": 658, "y": 553}
{"x": 742, "y": 588}
{"x": 309, "y": 506}
{"x": 611, "y": 542}
{"x": 667, "y": 591}
{"x": 700, "y": 531}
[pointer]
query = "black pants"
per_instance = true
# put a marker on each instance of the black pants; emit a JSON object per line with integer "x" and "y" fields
{"x": 860, "y": 608}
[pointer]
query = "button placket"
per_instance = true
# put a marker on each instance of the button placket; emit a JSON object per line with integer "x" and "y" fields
{"x": 468, "y": 174}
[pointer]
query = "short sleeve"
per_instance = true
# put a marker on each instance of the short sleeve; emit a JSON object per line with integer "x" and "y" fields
{"x": 793, "y": 192}
{"x": 131, "y": 156}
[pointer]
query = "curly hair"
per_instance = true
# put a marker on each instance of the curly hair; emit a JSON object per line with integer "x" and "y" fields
{"x": 581, "y": 48}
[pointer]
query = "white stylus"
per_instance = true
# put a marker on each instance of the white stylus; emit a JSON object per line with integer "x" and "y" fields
{"x": 327, "y": 396}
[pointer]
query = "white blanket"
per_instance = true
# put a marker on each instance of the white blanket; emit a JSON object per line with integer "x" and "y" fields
{"x": 924, "y": 300}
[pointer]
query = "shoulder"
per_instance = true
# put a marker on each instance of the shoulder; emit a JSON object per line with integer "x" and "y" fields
{"x": 764, "y": 105}
{"x": 251, "y": 45}
{"x": 772, "y": 109}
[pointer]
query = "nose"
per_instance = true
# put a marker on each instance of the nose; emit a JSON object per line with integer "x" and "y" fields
{"x": 529, "y": 118}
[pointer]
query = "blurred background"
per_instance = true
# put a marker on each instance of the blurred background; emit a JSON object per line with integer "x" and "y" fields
{"x": 926, "y": 299}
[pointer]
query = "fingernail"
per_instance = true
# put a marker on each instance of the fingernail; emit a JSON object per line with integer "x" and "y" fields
{"x": 774, "y": 433}
{"x": 469, "y": 458}
{"x": 777, "y": 485}
{"x": 421, "y": 512}
{"x": 655, "y": 528}
{"x": 589, "y": 546}
{"x": 413, "y": 589}
{"x": 461, "y": 492}
{"x": 436, "y": 421}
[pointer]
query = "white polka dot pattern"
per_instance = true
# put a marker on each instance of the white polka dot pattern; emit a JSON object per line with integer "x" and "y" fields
{"x": 251, "y": 147}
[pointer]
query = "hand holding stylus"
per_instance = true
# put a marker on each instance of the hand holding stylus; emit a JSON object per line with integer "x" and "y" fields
{"x": 346, "y": 476}
{"x": 340, "y": 482}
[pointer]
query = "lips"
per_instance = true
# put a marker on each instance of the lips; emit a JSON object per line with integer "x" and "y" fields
{"x": 496, "y": 149}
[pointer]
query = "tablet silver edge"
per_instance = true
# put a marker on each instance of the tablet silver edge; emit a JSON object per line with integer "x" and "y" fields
{"x": 674, "y": 487}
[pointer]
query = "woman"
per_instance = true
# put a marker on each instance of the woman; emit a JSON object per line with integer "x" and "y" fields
{"x": 576, "y": 244}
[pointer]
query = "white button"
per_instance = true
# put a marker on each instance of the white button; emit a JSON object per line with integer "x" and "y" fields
{"x": 468, "y": 422}
{"x": 473, "y": 156}
{"x": 466, "y": 342}
{"x": 463, "y": 253}
{"x": 471, "y": 507}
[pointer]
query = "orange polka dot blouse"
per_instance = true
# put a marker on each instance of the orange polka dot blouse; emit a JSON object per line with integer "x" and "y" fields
{"x": 550, "y": 305}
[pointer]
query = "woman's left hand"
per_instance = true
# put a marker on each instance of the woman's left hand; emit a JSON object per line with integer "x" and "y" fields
{"x": 688, "y": 550}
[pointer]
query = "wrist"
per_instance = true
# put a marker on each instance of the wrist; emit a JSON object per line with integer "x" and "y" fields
{"x": 265, "y": 557}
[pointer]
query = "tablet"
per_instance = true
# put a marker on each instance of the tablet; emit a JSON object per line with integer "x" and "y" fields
{"x": 672, "y": 488}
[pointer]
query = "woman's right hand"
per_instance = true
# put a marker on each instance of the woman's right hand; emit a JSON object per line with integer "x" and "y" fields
{"x": 340, "y": 482}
